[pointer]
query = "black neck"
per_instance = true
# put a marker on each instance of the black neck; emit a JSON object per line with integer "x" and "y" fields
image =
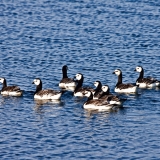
{"x": 119, "y": 79}
{"x": 105, "y": 93}
{"x": 90, "y": 97}
{"x": 38, "y": 88}
{"x": 141, "y": 74}
{"x": 64, "y": 71}
{"x": 4, "y": 84}
{"x": 98, "y": 87}
{"x": 80, "y": 83}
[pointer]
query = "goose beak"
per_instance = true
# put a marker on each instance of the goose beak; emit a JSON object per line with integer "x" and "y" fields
{"x": 135, "y": 70}
{"x": 33, "y": 82}
{"x": 113, "y": 73}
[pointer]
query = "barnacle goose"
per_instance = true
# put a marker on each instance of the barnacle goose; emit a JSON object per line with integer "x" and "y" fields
{"x": 96, "y": 104}
{"x": 10, "y": 90}
{"x": 45, "y": 94}
{"x": 114, "y": 99}
{"x": 79, "y": 90}
{"x": 148, "y": 82}
{"x": 121, "y": 87}
{"x": 66, "y": 82}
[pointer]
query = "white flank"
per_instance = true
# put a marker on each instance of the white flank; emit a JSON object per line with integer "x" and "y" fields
{"x": 141, "y": 85}
{"x": 100, "y": 108}
{"x": 62, "y": 85}
{"x": 71, "y": 84}
{"x": 127, "y": 90}
{"x": 48, "y": 96}
{"x": 11, "y": 93}
{"x": 70, "y": 88}
{"x": 78, "y": 94}
{"x": 67, "y": 85}
{"x": 145, "y": 85}
{"x": 116, "y": 102}
{"x": 56, "y": 97}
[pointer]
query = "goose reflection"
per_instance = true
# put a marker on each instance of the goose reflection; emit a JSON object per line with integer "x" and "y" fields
{"x": 41, "y": 106}
{"x": 117, "y": 110}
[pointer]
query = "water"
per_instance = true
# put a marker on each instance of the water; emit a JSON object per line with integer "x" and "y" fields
{"x": 94, "y": 38}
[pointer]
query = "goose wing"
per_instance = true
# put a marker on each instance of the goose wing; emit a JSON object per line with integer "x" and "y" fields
{"x": 67, "y": 80}
{"x": 98, "y": 95}
{"x": 11, "y": 89}
{"x": 97, "y": 102}
{"x": 148, "y": 80}
{"x": 47, "y": 92}
{"x": 125, "y": 86}
{"x": 83, "y": 89}
{"x": 114, "y": 98}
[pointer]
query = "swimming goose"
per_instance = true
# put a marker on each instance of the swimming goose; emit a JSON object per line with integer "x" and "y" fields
{"x": 121, "y": 87}
{"x": 148, "y": 82}
{"x": 45, "y": 94}
{"x": 114, "y": 99}
{"x": 79, "y": 90}
{"x": 96, "y": 104}
{"x": 98, "y": 90}
{"x": 10, "y": 90}
{"x": 66, "y": 82}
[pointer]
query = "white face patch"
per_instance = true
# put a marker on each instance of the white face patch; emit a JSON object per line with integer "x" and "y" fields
{"x": 96, "y": 84}
{"x": 78, "y": 76}
{"x": 36, "y": 82}
{"x": 138, "y": 69}
{"x": 105, "y": 88}
{"x": 1, "y": 80}
{"x": 117, "y": 72}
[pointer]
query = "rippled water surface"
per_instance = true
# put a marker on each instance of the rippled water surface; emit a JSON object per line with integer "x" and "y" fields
{"x": 94, "y": 38}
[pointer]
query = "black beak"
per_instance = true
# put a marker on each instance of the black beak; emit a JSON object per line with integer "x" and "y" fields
{"x": 135, "y": 70}
{"x": 32, "y": 82}
{"x": 113, "y": 73}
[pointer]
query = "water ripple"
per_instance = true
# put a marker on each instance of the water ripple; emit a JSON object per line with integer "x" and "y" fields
{"x": 91, "y": 37}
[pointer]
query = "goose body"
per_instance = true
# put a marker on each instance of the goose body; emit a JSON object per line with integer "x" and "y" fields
{"x": 10, "y": 90}
{"x": 79, "y": 90}
{"x": 121, "y": 87}
{"x": 47, "y": 94}
{"x": 114, "y": 99}
{"x": 66, "y": 82}
{"x": 148, "y": 82}
{"x": 96, "y": 104}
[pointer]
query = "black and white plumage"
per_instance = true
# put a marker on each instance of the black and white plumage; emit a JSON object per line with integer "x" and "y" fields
{"x": 45, "y": 94}
{"x": 66, "y": 82}
{"x": 96, "y": 104}
{"x": 79, "y": 90}
{"x": 10, "y": 90}
{"x": 148, "y": 82}
{"x": 113, "y": 99}
{"x": 121, "y": 87}
{"x": 98, "y": 90}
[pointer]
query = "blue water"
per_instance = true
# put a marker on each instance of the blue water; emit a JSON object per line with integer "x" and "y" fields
{"x": 94, "y": 38}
